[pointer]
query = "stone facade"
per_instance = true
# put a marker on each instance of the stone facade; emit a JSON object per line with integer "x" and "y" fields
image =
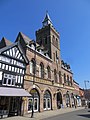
{"x": 47, "y": 78}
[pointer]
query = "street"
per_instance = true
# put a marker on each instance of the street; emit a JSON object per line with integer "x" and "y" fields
{"x": 75, "y": 115}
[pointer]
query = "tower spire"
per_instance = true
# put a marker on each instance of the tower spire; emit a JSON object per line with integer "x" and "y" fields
{"x": 46, "y": 20}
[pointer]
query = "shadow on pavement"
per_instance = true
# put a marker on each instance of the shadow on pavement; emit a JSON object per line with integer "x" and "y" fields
{"x": 85, "y": 115}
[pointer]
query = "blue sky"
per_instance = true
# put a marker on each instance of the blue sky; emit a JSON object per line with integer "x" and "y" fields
{"x": 70, "y": 17}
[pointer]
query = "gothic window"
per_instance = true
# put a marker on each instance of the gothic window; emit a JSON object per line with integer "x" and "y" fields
{"x": 60, "y": 77}
{"x": 55, "y": 75}
{"x": 32, "y": 66}
{"x": 64, "y": 78}
{"x": 42, "y": 70}
{"x": 49, "y": 72}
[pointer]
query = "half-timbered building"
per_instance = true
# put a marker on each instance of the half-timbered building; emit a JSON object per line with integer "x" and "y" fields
{"x": 12, "y": 70}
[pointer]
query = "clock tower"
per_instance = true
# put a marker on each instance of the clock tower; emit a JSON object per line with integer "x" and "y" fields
{"x": 48, "y": 37}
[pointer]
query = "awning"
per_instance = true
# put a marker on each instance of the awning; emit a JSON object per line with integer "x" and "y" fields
{"x": 7, "y": 91}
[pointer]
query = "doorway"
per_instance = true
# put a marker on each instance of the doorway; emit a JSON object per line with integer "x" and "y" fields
{"x": 59, "y": 100}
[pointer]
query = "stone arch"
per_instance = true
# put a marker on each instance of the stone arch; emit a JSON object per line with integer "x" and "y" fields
{"x": 49, "y": 89}
{"x": 37, "y": 87}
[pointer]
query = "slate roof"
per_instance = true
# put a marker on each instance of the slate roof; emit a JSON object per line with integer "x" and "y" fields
{"x": 4, "y": 42}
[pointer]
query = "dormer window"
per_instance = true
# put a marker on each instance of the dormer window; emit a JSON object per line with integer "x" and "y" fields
{"x": 32, "y": 46}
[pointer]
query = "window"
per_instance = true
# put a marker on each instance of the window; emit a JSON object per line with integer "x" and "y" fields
{"x": 9, "y": 68}
{"x": 64, "y": 78}
{"x": 9, "y": 79}
{"x": 54, "y": 57}
{"x": 32, "y": 66}
{"x": 0, "y": 65}
{"x": 42, "y": 70}
{"x": 49, "y": 72}
{"x": 12, "y": 68}
{"x": 70, "y": 81}
{"x": 60, "y": 77}
{"x": 55, "y": 75}
{"x": 53, "y": 39}
{"x": 3, "y": 66}
{"x": 56, "y": 42}
{"x": 67, "y": 80}
{"x": 6, "y": 67}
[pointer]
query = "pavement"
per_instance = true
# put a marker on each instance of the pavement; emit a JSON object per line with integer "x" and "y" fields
{"x": 45, "y": 114}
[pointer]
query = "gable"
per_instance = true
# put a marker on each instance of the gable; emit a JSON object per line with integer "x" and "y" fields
{"x": 14, "y": 52}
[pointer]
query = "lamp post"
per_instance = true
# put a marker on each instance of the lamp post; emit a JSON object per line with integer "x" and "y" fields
{"x": 86, "y": 81}
{"x": 85, "y": 92}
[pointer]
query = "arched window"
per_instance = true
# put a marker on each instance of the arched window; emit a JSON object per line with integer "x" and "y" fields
{"x": 55, "y": 75}
{"x": 56, "y": 42}
{"x": 32, "y": 66}
{"x": 53, "y": 39}
{"x": 36, "y": 98}
{"x": 49, "y": 72}
{"x": 60, "y": 77}
{"x": 67, "y": 80}
{"x": 42, "y": 70}
{"x": 64, "y": 78}
{"x": 71, "y": 81}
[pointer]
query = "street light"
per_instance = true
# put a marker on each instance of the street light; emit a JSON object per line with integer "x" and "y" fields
{"x": 86, "y": 81}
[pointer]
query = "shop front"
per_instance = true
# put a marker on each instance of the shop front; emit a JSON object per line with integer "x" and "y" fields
{"x": 11, "y": 101}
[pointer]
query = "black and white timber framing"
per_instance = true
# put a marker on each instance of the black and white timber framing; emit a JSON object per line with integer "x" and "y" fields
{"x": 12, "y": 65}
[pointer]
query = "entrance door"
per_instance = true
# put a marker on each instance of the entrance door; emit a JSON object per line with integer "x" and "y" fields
{"x": 47, "y": 101}
{"x": 35, "y": 104}
{"x": 59, "y": 100}
{"x": 33, "y": 101}
{"x": 14, "y": 106}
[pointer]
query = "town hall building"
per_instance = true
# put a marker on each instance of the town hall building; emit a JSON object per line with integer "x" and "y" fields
{"x": 36, "y": 66}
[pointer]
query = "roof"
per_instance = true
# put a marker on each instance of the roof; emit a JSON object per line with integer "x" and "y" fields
{"x": 47, "y": 19}
{"x": 75, "y": 82}
{"x": 4, "y": 42}
{"x": 26, "y": 38}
